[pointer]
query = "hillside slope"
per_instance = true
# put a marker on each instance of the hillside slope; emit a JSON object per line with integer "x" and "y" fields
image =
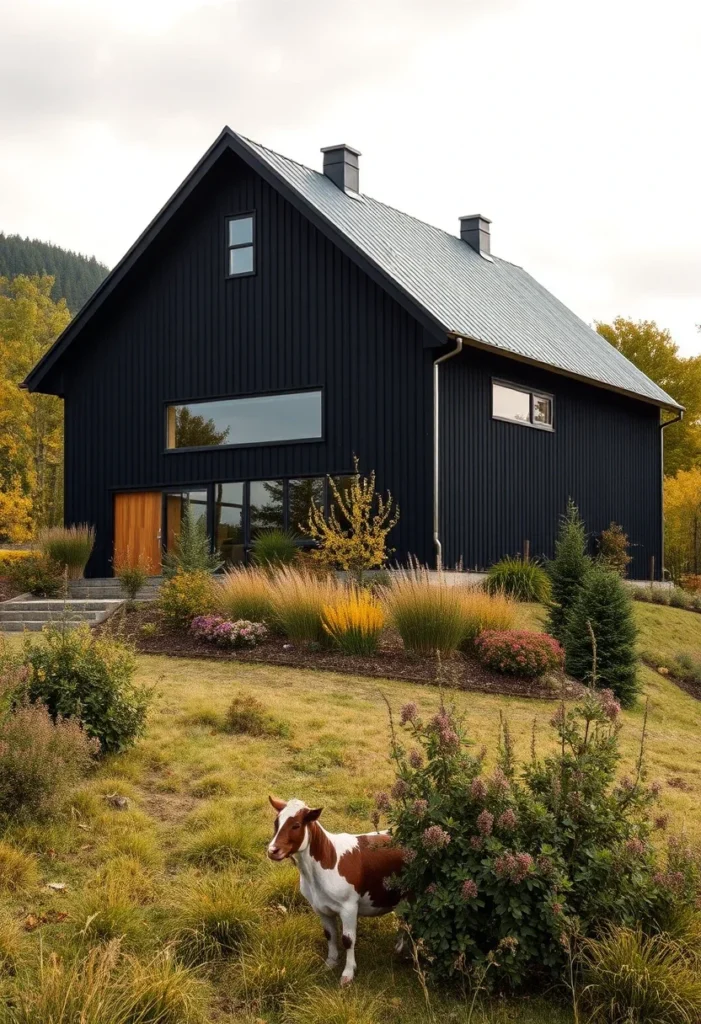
{"x": 76, "y": 276}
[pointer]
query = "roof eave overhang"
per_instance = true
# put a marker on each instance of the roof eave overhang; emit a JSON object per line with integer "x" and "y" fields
{"x": 475, "y": 343}
{"x": 227, "y": 141}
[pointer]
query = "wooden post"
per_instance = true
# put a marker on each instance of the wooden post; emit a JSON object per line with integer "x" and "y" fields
{"x": 652, "y": 570}
{"x": 526, "y": 550}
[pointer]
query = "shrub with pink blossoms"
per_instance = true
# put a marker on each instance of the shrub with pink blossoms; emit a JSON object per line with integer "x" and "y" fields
{"x": 527, "y": 852}
{"x": 519, "y": 652}
{"x": 226, "y": 633}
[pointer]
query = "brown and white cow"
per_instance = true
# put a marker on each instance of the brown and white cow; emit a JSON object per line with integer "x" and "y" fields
{"x": 341, "y": 875}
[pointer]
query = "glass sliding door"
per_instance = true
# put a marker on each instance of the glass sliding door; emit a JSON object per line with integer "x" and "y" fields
{"x": 176, "y": 502}
{"x": 266, "y": 506}
{"x": 229, "y": 522}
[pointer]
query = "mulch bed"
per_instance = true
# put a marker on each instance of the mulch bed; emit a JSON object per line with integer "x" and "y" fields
{"x": 7, "y": 589}
{"x": 390, "y": 662}
{"x": 687, "y": 685}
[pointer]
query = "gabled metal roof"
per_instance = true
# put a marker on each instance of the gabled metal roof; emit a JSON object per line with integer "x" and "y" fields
{"x": 492, "y": 302}
{"x": 445, "y": 283}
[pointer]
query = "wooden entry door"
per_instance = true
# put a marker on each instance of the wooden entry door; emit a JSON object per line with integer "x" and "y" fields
{"x": 137, "y": 529}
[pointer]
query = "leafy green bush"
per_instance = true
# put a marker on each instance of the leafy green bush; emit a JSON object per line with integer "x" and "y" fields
{"x": 603, "y": 606}
{"x": 38, "y": 575}
{"x": 629, "y": 976}
{"x": 613, "y": 549}
{"x": 274, "y": 547}
{"x": 524, "y": 581}
{"x": 567, "y": 571}
{"x": 192, "y": 551}
{"x": 40, "y": 760}
{"x": 79, "y": 675}
{"x": 186, "y": 595}
{"x": 499, "y": 866}
{"x": 427, "y": 615}
{"x": 69, "y": 546}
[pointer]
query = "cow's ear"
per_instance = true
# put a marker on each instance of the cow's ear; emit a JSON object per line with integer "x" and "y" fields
{"x": 279, "y": 805}
{"x": 312, "y": 815}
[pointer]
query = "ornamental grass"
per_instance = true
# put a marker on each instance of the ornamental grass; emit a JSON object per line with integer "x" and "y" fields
{"x": 355, "y": 623}
{"x": 245, "y": 593}
{"x": 69, "y": 546}
{"x": 481, "y": 611}
{"x": 300, "y": 598}
{"x": 428, "y": 615}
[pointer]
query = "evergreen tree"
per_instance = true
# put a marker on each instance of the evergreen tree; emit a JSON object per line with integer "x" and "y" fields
{"x": 603, "y": 607}
{"x": 192, "y": 548}
{"x": 567, "y": 570}
{"x": 75, "y": 277}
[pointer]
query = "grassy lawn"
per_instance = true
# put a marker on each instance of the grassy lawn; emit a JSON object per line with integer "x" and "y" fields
{"x": 198, "y": 821}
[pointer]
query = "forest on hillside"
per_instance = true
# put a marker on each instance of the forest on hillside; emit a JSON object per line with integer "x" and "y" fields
{"x": 75, "y": 276}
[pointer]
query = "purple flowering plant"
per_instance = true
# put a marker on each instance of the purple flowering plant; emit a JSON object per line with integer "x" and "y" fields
{"x": 226, "y": 633}
{"x": 532, "y": 851}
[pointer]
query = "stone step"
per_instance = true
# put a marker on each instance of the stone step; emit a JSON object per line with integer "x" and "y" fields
{"x": 49, "y": 604}
{"x": 48, "y": 616}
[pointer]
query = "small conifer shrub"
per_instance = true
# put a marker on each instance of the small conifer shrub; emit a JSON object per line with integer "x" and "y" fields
{"x": 567, "y": 570}
{"x": 601, "y": 635}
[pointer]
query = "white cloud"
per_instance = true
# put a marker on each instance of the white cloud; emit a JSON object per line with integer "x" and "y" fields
{"x": 573, "y": 127}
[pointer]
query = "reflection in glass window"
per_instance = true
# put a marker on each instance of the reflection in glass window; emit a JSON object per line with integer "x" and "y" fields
{"x": 301, "y": 495}
{"x": 228, "y": 522}
{"x": 542, "y": 410}
{"x": 176, "y": 503}
{"x": 511, "y": 404}
{"x": 240, "y": 245}
{"x": 257, "y": 420}
{"x": 267, "y": 507}
{"x": 521, "y": 406}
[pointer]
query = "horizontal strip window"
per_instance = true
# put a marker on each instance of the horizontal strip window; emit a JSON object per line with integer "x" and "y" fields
{"x": 520, "y": 405}
{"x": 261, "y": 419}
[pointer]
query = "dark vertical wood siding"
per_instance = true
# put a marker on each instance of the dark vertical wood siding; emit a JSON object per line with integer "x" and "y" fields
{"x": 178, "y": 329}
{"x": 504, "y": 483}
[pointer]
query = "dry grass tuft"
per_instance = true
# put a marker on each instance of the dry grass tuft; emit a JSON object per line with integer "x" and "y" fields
{"x": 347, "y": 1006}
{"x": 427, "y": 615}
{"x": 211, "y": 916}
{"x": 299, "y": 598}
{"x": 283, "y": 960}
{"x": 481, "y": 611}
{"x": 244, "y": 593}
{"x": 18, "y": 870}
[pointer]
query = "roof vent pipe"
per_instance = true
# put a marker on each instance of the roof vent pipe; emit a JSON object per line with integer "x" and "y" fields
{"x": 341, "y": 166}
{"x": 475, "y": 231}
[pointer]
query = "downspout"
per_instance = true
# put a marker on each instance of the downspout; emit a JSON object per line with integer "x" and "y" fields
{"x": 437, "y": 451}
{"x": 666, "y": 423}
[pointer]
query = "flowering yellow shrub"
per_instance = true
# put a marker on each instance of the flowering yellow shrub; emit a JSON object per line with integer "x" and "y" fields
{"x": 354, "y": 534}
{"x": 11, "y": 556}
{"x": 355, "y": 624}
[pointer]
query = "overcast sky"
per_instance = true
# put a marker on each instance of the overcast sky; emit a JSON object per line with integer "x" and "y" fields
{"x": 574, "y": 126}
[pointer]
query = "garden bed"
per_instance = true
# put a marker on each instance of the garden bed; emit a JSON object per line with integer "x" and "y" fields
{"x": 7, "y": 589}
{"x": 391, "y": 660}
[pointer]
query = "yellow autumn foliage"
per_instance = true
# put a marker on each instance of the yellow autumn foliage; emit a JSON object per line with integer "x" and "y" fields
{"x": 354, "y": 534}
{"x": 355, "y": 623}
{"x": 682, "y": 523}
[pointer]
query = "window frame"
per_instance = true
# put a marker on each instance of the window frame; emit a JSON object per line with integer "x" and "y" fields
{"x": 532, "y": 393}
{"x": 171, "y": 403}
{"x": 248, "y": 214}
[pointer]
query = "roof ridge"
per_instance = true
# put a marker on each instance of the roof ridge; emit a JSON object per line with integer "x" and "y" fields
{"x": 372, "y": 199}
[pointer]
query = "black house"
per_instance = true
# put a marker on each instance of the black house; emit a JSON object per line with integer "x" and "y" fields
{"x": 273, "y": 321}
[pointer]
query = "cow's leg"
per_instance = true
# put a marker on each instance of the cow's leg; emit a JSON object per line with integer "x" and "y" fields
{"x": 349, "y": 928}
{"x": 329, "y": 923}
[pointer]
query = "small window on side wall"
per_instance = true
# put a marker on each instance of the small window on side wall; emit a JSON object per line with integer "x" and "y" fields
{"x": 520, "y": 405}
{"x": 240, "y": 246}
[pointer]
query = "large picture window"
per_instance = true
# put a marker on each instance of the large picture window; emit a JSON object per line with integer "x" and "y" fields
{"x": 520, "y": 405}
{"x": 261, "y": 419}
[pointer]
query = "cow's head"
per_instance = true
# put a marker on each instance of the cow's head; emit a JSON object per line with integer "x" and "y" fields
{"x": 291, "y": 833}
